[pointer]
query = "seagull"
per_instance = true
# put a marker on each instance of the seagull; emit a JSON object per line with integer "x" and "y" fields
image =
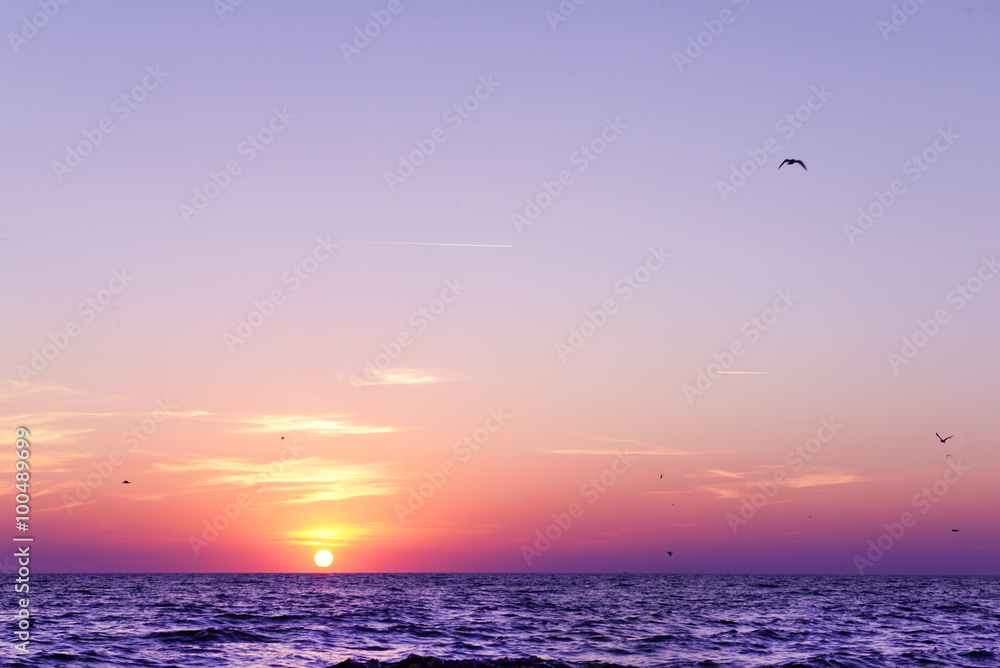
{"x": 943, "y": 440}
{"x": 670, "y": 554}
{"x": 126, "y": 482}
{"x": 792, "y": 161}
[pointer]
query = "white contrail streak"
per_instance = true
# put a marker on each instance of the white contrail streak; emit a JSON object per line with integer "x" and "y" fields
{"x": 426, "y": 243}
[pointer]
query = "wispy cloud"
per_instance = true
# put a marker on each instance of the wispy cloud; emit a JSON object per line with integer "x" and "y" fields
{"x": 720, "y": 473}
{"x": 614, "y": 439}
{"x": 631, "y": 451}
{"x": 748, "y": 373}
{"x": 630, "y": 445}
{"x": 407, "y": 377}
{"x": 748, "y": 481}
{"x": 298, "y": 480}
{"x": 323, "y": 425}
{"x": 826, "y": 479}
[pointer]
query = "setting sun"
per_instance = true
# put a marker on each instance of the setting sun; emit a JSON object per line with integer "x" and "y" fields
{"x": 323, "y": 558}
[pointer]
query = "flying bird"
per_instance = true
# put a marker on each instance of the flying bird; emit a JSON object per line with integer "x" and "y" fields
{"x": 282, "y": 438}
{"x": 670, "y": 554}
{"x": 955, "y": 530}
{"x": 793, "y": 161}
{"x": 661, "y": 476}
{"x": 943, "y": 440}
{"x": 126, "y": 482}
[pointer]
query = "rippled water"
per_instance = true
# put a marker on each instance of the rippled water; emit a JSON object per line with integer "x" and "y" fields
{"x": 511, "y": 620}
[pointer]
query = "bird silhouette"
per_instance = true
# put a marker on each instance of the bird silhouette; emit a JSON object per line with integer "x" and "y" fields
{"x": 126, "y": 482}
{"x": 282, "y": 438}
{"x": 793, "y": 161}
{"x": 661, "y": 476}
{"x": 943, "y": 440}
{"x": 955, "y": 530}
{"x": 670, "y": 554}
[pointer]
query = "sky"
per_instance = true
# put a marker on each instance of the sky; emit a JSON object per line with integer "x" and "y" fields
{"x": 502, "y": 286}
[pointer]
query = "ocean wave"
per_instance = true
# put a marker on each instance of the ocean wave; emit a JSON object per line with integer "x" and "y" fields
{"x": 209, "y": 635}
{"x": 418, "y": 661}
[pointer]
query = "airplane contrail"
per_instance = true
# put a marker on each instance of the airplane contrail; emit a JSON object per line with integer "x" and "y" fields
{"x": 426, "y": 243}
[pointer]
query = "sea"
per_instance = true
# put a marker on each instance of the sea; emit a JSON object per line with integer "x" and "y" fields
{"x": 508, "y": 620}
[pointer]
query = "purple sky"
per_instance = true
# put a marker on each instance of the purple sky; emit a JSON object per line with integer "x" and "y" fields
{"x": 228, "y": 152}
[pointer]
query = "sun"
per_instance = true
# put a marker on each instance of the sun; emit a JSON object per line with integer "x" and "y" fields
{"x": 323, "y": 558}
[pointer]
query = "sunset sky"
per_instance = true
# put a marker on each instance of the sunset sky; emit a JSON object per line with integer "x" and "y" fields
{"x": 481, "y": 271}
